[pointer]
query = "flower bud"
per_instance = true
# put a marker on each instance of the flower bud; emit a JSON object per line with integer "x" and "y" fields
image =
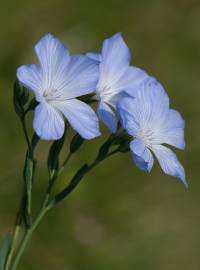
{"x": 21, "y": 96}
{"x": 76, "y": 143}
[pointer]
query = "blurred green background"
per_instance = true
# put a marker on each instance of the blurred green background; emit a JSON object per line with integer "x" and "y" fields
{"x": 118, "y": 218}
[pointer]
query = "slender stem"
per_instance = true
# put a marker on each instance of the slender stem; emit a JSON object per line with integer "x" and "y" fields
{"x": 46, "y": 206}
{"x": 25, "y": 131}
{"x": 29, "y": 202}
{"x": 55, "y": 176}
{"x": 29, "y": 153}
{"x": 96, "y": 162}
{"x": 12, "y": 249}
{"x": 19, "y": 218}
{"x": 15, "y": 235}
{"x": 28, "y": 234}
{"x": 76, "y": 180}
{"x": 64, "y": 163}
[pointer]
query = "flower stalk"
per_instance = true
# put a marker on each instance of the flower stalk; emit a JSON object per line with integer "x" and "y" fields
{"x": 49, "y": 204}
{"x": 133, "y": 105}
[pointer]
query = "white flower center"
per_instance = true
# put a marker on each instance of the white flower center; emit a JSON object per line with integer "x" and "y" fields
{"x": 52, "y": 95}
{"x": 148, "y": 137}
{"x": 104, "y": 93}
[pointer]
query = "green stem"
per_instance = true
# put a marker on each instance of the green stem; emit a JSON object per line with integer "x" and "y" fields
{"x": 46, "y": 206}
{"x": 29, "y": 195}
{"x": 76, "y": 180}
{"x": 64, "y": 163}
{"x": 25, "y": 132}
{"x": 19, "y": 214}
{"x": 12, "y": 249}
{"x": 28, "y": 234}
{"x": 43, "y": 211}
{"x": 96, "y": 162}
{"x": 30, "y": 154}
{"x": 55, "y": 176}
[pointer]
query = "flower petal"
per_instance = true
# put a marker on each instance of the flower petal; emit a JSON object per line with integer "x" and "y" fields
{"x": 152, "y": 102}
{"x": 130, "y": 80}
{"x": 150, "y": 107}
{"x": 81, "y": 78}
{"x": 173, "y": 130}
{"x": 169, "y": 162}
{"x": 141, "y": 155}
{"x": 107, "y": 116}
{"x": 31, "y": 77}
{"x": 68, "y": 76}
{"x": 128, "y": 114}
{"x": 54, "y": 59}
{"x": 81, "y": 117}
{"x": 94, "y": 56}
{"x": 115, "y": 58}
{"x": 48, "y": 122}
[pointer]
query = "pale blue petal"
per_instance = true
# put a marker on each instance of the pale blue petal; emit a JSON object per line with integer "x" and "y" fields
{"x": 94, "y": 56}
{"x": 65, "y": 77}
{"x": 107, "y": 116}
{"x": 152, "y": 103}
{"x": 149, "y": 108}
{"x": 173, "y": 130}
{"x": 80, "y": 116}
{"x": 169, "y": 162}
{"x": 81, "y": 78}
{"x": 131, "y": 80}
{"x": 30, "y": 76}
{"x": 48, "y": 122}
{"x": 54, "y": 59}
{"x": 152, "y": 111}
{"x": 128, "y": 115}
{"x": 115, "y": 99}
{"x": 141, "y": 155}
{"x": 115, "y": 59}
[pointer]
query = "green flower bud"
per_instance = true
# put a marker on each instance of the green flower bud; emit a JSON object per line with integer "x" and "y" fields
{"x": 21, "y": 96}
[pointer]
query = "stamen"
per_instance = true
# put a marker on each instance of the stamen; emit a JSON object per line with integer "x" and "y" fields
{"x": 148, "y": 137}
{"x": 53, "y": 94}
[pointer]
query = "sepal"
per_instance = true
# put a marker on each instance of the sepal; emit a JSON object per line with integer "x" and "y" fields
{"x": 87, "y": 98}
{"x": 120, "y": 139}
{"x": 123, "y": 140}
{"x": 20, "y": 98}
{"x": 124, "y": 146}
{"x": 32, "y": 104}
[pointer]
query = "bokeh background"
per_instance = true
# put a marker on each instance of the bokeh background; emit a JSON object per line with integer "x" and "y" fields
{"x": 118, "y": 218}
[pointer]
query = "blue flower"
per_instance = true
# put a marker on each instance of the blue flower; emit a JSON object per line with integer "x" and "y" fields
{"x": 57, "y": 82}
{"x": 151, "y": 122}
{"x": 116, "y": 75}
